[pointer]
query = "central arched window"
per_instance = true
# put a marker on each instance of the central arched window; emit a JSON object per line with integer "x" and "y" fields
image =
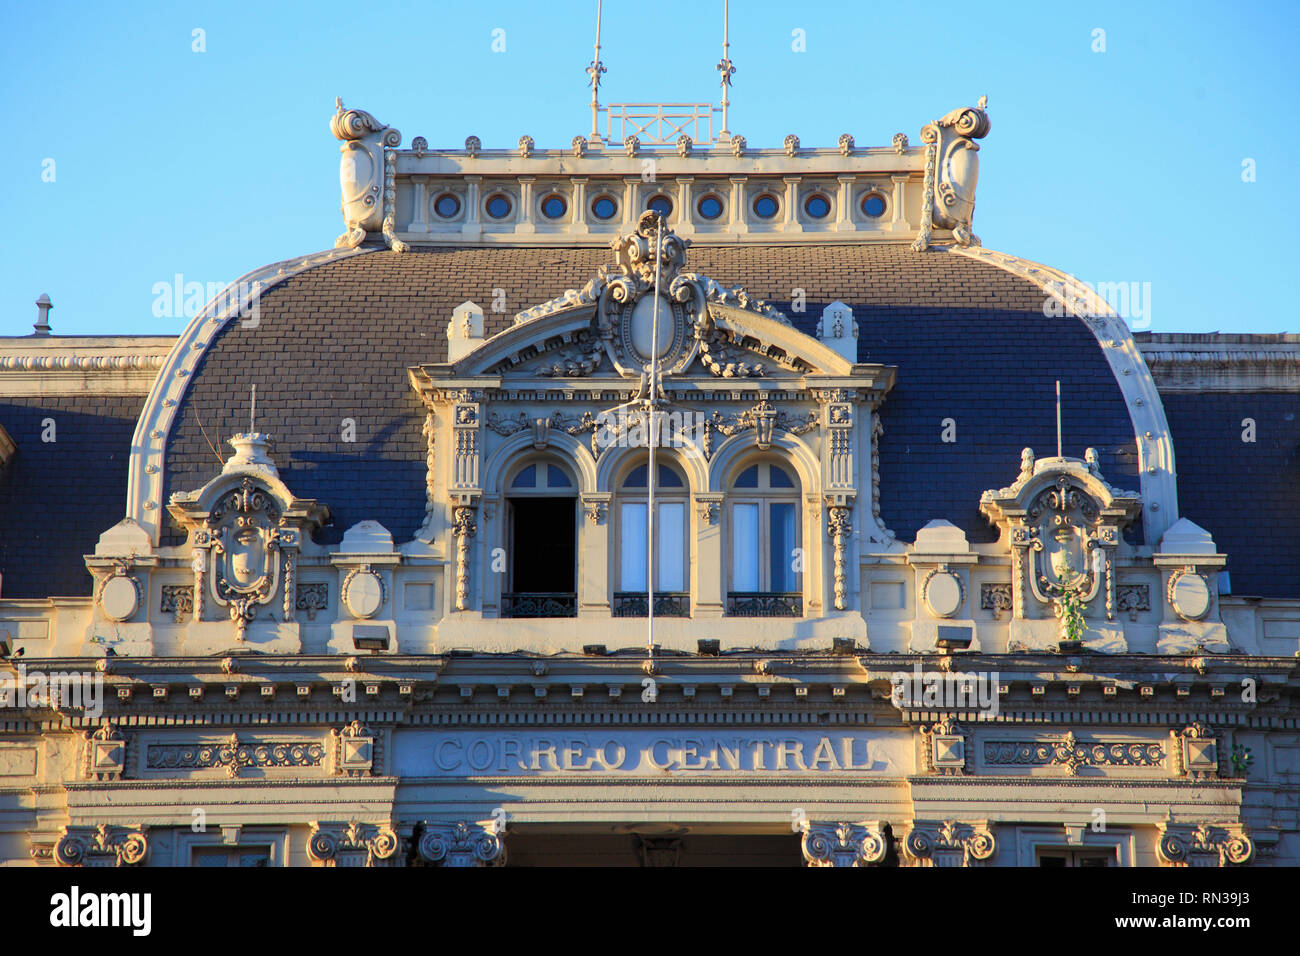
{"x": 542, "y": 542}
{"x": 672, "y": 547}
{"x": 766, "y": 561}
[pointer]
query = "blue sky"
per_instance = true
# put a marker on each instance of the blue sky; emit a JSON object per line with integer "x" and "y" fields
{"x": 1117, "y": 166}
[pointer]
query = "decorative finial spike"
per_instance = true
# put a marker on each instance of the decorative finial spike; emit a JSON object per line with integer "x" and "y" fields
{"x": 252, "y": 409}
{"x": 1058, "y": 418}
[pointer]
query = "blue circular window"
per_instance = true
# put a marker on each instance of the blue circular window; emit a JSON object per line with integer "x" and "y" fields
{"x": 817, "y": 206}
{"x": 554, "y": 206}
{"x": 499, "y": 206}
{"x": 446, "y": 206}
{"x": 765, "y": 206}
{"x": 873, "y": 205}
{"x": 710, "y": 207}
{"x": 662, "y": 205}
{"x": 604, "y": 207}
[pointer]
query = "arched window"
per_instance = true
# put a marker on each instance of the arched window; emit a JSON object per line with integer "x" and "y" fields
{"x": 766, "y": 562}
{"x": 672, "y": 545}
{"x": 542, "y": 542}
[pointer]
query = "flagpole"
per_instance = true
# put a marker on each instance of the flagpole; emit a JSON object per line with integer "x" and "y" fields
{"x": 651, "y": 398}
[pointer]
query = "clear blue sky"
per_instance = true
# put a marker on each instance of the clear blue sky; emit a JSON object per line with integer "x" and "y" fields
{"x": 1117, "y": 166}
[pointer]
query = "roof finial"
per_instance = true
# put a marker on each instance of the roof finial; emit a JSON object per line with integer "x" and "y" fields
{"x": 594, "y": 71}
{"x": 252, "y": 409}
{"x": 725, "y": 68}
{"x": 43, "y": 306}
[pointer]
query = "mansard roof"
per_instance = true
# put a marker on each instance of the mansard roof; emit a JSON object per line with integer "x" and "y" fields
{"x": 335, "y": 342}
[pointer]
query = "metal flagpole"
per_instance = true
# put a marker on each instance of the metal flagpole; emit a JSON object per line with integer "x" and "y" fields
{"x": 652, "y": 396}
{"x": 1058, "y": 418}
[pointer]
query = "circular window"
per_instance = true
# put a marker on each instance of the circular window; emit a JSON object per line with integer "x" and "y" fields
{"x": 499, "y": 206}
{"x": 554, "y": 206}
{"x": 873, "y": 205}
{"x": 662, "y": 205}
{"x": 817, "y": 206}
{"x": 446, "y": 206}
{"x": 765, "y": 206}
{"x": 710, "y": 206}
{"x": 604, "y": 207}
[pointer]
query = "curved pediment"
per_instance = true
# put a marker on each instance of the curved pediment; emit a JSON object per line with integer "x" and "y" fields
{"x": 616, "y": 325}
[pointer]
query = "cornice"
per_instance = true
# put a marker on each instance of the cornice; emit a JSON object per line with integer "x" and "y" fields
{"x": 1229, "y": 363}
{"x": 80, "y": 365}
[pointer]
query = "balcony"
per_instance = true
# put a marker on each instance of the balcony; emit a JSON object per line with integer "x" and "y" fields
{"x": 539, "y": 604}
{"x": 667, "y": 604}
{"x": 764, "y": 604}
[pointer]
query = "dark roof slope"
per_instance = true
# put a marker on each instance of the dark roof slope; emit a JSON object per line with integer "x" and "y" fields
{"x": 971, "y": 342}
{"x": 1246, "y": 494}
{"x": 57, "y": 497}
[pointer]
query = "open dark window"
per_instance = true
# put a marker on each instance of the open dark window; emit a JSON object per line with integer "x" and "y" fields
{"x": 542, "y": 523}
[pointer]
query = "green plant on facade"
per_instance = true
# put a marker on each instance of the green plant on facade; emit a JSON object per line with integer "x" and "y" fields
{"x": 1241, "y": 759}
{"x": 1069, "y": 606}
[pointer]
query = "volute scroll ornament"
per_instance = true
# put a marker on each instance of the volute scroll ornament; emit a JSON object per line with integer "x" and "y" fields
{"x": 844, "y": 844}
{"x": 363, "y": 173}
{"x": 951, "y": 174}
{"x": 103, "y": 845}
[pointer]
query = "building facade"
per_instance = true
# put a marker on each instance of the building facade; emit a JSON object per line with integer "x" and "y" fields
{"x": 354, "y": 570}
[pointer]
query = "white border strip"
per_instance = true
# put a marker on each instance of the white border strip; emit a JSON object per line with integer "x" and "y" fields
{"x": 1155, "y": 444}
{"x": 149, "y": 444}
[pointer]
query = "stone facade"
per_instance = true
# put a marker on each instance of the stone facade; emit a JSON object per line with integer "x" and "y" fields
{"x": 431, "y": 645}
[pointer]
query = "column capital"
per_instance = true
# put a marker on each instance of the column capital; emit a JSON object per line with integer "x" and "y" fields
{"x": 460, "y": 844}
{"x": 845, "y": 844}
{"x": 948, "y": 843}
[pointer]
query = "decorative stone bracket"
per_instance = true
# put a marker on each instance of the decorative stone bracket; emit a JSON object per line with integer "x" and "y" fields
{"x": 845, "y": 844}
{"x": 1196, "y": 751}
{"x": 101, "y": 846}
{"x": 354, "y": 750}
{"x": 945, "y": 748}
{"x": 105, "y": 753}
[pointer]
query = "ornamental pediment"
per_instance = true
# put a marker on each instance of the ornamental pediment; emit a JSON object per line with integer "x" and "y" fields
{"x": 647, "y": 307}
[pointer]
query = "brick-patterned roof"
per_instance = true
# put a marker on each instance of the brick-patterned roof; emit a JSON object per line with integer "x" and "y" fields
{"x": 970, "y": 341}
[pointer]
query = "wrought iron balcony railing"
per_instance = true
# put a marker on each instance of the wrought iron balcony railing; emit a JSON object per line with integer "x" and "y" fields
{"x": 764, "y": 604}
{"x": 667, "y": 604}
{"x": 539, "y": 604}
